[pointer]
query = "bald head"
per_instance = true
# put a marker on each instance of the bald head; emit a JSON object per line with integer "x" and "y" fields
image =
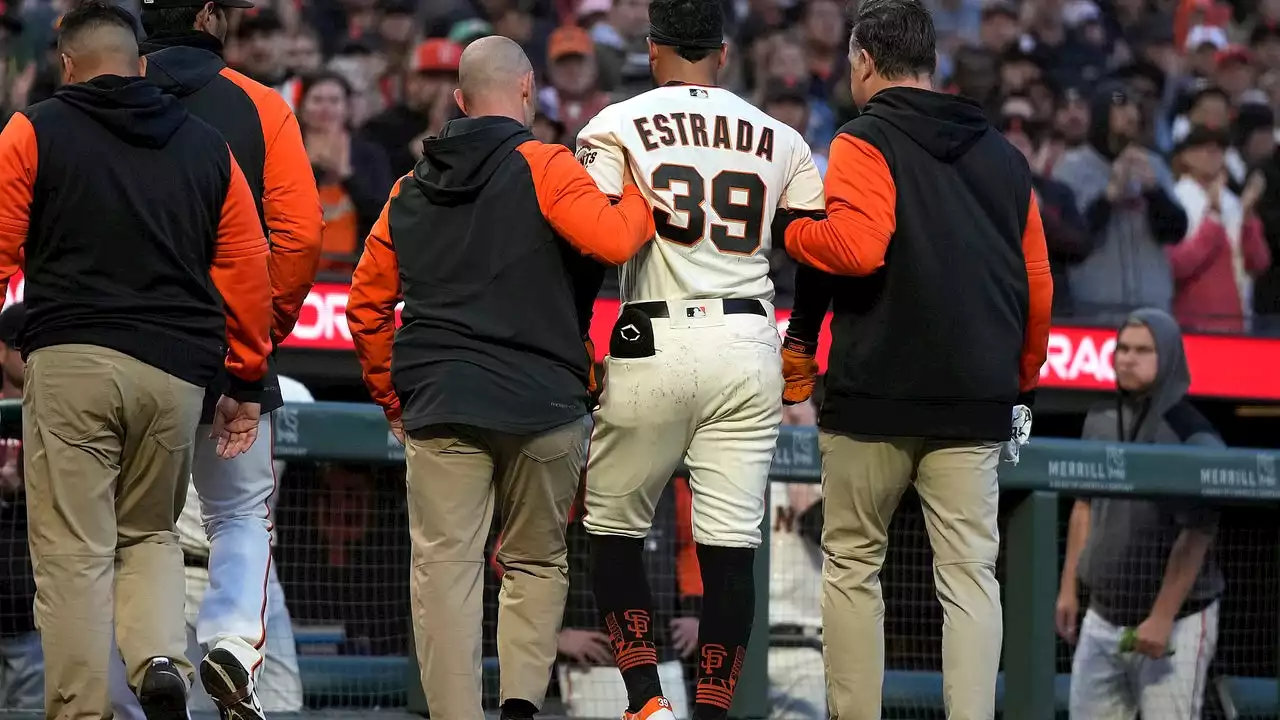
{"x": 98, "y": 39}
{"x": 495, "y": 78}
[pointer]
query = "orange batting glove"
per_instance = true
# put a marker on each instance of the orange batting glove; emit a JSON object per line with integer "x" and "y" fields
{"x": 592, "y": 386}
{"x": 799, "y": 370}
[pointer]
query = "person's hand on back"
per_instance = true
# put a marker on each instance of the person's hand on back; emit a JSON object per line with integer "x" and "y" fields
{"x": 235, "y": 426}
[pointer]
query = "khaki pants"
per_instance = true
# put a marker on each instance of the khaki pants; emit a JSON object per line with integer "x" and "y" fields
{"x": 455, "y": 473}
{"x": 863, "y": 479}
{"x": 108, "y": 450}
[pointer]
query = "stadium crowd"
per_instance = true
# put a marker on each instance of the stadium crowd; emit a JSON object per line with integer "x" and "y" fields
{"x": 1174, "y": 102}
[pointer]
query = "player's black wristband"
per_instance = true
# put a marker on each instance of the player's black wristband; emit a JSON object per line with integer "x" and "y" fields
{"x": 804, "y": 347}
{"x": 245, "y": 391}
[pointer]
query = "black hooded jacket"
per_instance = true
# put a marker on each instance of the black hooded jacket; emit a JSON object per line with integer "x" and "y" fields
{"x": 190, "y": 67}
{"x": 944, "y": 322}
{"x": 125, "y": 206}
{"x": 496, "y": 303}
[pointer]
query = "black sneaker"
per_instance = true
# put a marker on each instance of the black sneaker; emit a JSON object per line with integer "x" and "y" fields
{"x": 229, "y": 684}
{"x": 163, "y": 694}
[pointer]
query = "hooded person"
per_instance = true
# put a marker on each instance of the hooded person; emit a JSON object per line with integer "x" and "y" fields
{"x": 1152, "y": 623}
{"x": 487, "y": 243}
{"x": 1125, "y": 192}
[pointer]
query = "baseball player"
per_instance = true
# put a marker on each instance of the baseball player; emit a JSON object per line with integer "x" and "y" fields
{"x": 693, "y": 370}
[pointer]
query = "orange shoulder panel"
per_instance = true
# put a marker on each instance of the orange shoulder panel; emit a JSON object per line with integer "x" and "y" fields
{"x": 371, "y": 309}
{"x": 18, "y": 159}
{"x": 861, "y": 213}
{"x": 580, "y": 213}
{"x": 290, "y": 205}
{"x": 1035, "y": 342}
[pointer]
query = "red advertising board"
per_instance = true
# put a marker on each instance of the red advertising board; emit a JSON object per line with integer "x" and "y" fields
{"x": 1079, "y": 358}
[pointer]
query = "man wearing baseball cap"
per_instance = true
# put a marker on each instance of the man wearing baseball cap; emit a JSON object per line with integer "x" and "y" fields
{"x": 426, "y": 105}
{"x": 575, "y": 95}
{"x": 184, "y": 57}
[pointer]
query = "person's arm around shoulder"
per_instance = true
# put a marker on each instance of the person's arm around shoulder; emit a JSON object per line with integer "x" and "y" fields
{"x": 580, "y": 212}
{"x": 239, "y": 271}
{"x": 1035, "y": 338}
{"x": 861, "y": 202}
{"x": 371, "y": 313}
{"x": 18, "y": 158}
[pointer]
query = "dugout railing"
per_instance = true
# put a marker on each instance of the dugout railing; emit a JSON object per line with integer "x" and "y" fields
{"x": 1034, "y": 683}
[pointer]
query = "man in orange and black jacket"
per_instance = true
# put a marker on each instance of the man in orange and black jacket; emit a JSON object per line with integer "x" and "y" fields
{"x": 130, "y": 217}
{"x": 939, "y": 278}
{"x": 184, "y": 58}
{"x": 492, "y": 243}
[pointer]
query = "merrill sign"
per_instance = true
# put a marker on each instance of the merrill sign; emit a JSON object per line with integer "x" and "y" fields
{"x": 1108, "y": 474}
{"x": 1260, "y": 481}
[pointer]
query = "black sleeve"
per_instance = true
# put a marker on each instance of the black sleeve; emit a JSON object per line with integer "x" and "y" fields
{"x": 814, "y": 289}
{"x": 1097, "y": 215}
{"x": 369, "y": 183}
{"x": 587, "y": 276}
{"x": 1167, "y": 218}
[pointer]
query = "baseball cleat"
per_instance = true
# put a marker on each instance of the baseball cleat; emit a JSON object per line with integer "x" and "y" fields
{"x": 163, "y": 693}
{"x": 658, "y": 708}
{"x": 230, "y": 686}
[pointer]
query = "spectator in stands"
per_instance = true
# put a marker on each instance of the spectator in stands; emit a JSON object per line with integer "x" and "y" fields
{"x": 822, "y": 28}
{"x": 590, "y": 684}
{"x": 622, "y": 49}
{"x": 123, "y": 332}
{"x": 797, "y": 676}
{"x": 264, "y": 54}
{"x": 549, "y": 130}
{"x": 305, "y": 55}
{"x": 1065, "y": 234}
{"x": 426, "y": 104}
{"x": 1125, "y": 193}
{"x": 1072, "y": 118}
{"x": 999, "y": 29}
{"x": 1214, "y": 265}
{"x": 573, "y": 96}
{"x": 351, "y": 172}
{"x": 1253, "y": 144}
{"x": 1147, "y": 564}
{"x": 785, "y": 100}
{"x": 21, "y": 658}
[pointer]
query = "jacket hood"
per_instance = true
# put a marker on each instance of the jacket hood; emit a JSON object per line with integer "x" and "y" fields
{"x": 133, "y": 109}
{"x": 456, "y": 165}
{"x": 184, "y": 69}
{"x": 1100, "y": 119}
{"x": 946, "y": 126}
{"x": 1173, "y": 378}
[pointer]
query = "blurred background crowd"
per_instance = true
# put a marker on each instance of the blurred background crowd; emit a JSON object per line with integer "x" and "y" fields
{"x": 1149, "y": 124}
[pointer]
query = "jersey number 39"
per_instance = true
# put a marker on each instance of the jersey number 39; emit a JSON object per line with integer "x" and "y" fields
{"x": 737, "y": 197}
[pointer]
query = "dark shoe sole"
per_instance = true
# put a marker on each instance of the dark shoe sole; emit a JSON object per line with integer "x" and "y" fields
{"x": 227, "y": 682}
{"x": 163, "y": 695}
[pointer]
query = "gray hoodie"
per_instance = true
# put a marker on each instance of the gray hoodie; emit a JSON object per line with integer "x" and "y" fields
{"x": 1129, "y": 540}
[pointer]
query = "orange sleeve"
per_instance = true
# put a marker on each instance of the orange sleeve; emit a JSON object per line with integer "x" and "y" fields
{"x": 18, "y": 157}
{"x": 239, "y": 271}
{"x": 1035, "y": 340}
{"x": 371, "y": 310}
{"x": 582, "y": 214}
{"x": 688, "y": 573}
{"x": 861, "y": 213}
{"x": 290, "y": 206}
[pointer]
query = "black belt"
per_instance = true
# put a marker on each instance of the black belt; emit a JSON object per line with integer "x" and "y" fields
{"x": 795, "y": 636}
{"x": 732, "y": 306}
{"x": 195, "y": 561}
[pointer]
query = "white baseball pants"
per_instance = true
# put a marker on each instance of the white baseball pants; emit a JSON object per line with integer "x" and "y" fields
{"x": 1107, "y": 684}
{"x": 235, "y": 503}
{"x": 711, "y": 396}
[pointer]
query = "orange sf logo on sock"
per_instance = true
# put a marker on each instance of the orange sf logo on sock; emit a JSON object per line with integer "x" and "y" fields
{"x": 713, "y": 658}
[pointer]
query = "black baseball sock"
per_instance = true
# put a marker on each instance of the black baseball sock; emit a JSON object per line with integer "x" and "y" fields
{"x": 728, "y": 611}
{"x": 622, "y": 597}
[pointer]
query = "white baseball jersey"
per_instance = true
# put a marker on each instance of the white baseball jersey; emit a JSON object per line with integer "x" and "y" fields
{"x": 714, "y": 167}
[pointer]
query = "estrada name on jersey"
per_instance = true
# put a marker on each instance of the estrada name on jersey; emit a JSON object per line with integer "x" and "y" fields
{"x": 714, "y": 168}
